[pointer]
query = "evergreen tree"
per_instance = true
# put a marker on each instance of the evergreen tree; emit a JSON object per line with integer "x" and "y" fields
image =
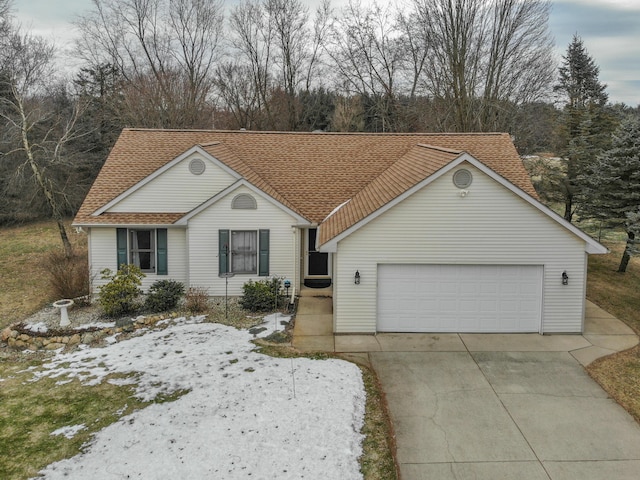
{"x": 585, "y": 126}
{"x": 613, "y": 185}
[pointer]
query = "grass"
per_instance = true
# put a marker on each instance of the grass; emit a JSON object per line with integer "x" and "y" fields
{"x": 32, "y": 410}
{"x": 618, "y": 294}
{"x": 24, "y": 283}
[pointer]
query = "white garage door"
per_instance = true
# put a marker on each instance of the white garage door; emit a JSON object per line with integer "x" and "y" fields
{"x": 459, "y": 298}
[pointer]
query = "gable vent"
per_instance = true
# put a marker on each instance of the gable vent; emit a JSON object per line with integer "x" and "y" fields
{"x": 197, "y": 166}
{"x": 244, "y": 202}
{"x": 462, "y": 178}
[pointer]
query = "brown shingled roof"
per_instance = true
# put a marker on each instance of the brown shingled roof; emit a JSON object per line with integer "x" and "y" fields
{"x": 311, "y": 173}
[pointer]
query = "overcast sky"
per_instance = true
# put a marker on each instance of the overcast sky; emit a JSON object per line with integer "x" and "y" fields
{"x": 610, "y": 30}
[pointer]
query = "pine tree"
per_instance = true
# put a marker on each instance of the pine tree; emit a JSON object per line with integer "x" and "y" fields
{"x": 613, "y": 185}
{"x": 585, "y": 125}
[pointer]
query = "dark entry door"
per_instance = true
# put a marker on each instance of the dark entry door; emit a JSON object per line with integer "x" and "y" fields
{"x": 318, "y": 262}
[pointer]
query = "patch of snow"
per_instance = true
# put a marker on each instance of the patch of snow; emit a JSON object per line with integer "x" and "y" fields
{"x": 69, "y": 431}
{"x": 270, "y": 324}
{"x": 245, "y": 414}
{"x": 39, "y": 327}
{"x": 96, "y": 325}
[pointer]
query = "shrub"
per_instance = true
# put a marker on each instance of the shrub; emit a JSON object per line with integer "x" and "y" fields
{"x": 120, "y": 295}
{"x": 261, "y": 296}
{"x": 164, "y": 295}
{"x": 197, "y": 300}
{"x": 68, "y": 276}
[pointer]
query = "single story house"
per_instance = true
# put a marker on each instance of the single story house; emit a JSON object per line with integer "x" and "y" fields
{"x": 416, "y": 232}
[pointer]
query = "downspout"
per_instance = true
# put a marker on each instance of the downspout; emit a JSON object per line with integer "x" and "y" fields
{"x": 296, "y": 262}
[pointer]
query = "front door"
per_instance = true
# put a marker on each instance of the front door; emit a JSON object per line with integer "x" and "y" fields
{"x": 317, "y": 262}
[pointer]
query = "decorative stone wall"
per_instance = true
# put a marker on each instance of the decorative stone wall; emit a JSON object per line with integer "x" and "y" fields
{"x": 19, "y": 336}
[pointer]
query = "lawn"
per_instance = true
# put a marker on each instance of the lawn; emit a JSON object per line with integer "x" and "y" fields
{"x": 619, "y": 294}
{"x": 90, "y": 418}
{"x": 24, "y": 282}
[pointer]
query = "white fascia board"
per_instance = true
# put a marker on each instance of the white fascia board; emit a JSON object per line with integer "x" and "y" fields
{"x": 592, "y": 246}
{"x": 242, "y": 182}
{"x": 193, "y": 150}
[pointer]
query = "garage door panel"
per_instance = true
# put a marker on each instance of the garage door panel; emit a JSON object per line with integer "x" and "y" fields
{"x": 459, "y": 298}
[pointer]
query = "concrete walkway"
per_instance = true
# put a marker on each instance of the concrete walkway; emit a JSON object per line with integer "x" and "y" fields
{"x": 313, "y": 332}
{"x": 491, "y": 407}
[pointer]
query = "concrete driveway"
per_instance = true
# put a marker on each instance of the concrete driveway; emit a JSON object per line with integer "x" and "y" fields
{"x": 491, "y": 407}
{"x": 504, "y": 415}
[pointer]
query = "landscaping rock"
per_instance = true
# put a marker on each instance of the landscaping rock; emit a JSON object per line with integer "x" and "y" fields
{"x": 5, "y": 334}
{"x": 19, "y": 335}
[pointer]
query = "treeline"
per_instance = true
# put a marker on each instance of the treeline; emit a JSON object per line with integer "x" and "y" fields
{"x": 430, "y": 66}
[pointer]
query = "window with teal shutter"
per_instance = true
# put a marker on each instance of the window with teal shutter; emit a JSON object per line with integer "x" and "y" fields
{"x": 121, "y": 246}
{"x": 264, "y": 253}
{"x": 162, "y": 251}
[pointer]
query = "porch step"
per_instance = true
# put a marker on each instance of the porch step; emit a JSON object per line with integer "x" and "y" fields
{"x": 316, "y": 292}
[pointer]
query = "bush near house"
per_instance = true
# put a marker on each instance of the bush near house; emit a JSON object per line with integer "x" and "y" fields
{"x": 164, "y": 295}
{"x": 262, "y": 296}
{"x": 120, "y": 295}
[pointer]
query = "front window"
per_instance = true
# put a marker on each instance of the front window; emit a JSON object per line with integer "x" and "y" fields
{"x": 244, "y": 251}
{"x": 142, "y": 249}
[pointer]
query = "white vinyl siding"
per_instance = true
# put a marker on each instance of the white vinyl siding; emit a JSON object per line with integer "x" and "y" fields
{"x": 203, "y": 241}
{"x": 176, "y": 190}
{"x": 103, "y": 254}
{"x": 489, "y": 226}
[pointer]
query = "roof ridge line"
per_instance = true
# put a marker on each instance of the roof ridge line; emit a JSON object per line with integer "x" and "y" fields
{"x": 441, "y": 149}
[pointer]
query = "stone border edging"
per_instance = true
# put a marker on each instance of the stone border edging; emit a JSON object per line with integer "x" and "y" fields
{"x": 17, "y": 336}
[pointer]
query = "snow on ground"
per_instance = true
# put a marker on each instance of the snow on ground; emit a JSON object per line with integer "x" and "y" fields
{"x": 69, "y": 431}
{"x": 246, "y": 416}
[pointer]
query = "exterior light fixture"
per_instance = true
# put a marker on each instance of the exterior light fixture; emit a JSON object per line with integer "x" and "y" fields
{"x": 356, "y": 278}
{"x": 565, "y": 278}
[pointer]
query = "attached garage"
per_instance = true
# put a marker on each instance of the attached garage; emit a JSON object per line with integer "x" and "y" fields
{"x": 459, "y": 298}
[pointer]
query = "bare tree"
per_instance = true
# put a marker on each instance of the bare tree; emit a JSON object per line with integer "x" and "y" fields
{"x": 165, "y": 49}
{"x": 279, "y": 45}
{"x": 367, "y": 51}
{"x": 488, "y": 55}
{"x": 253, "y": 40}
{"x": 5, "y": 10}
{"x": 35, "y": 131}
{"x": 238, "y": 95}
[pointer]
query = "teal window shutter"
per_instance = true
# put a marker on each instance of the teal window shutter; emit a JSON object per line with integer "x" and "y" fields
{"x": 263, "y": 264}
{"x": 223, "y": 252}
{"x": 121, "y": 245}
{"x": 161, "y": 243}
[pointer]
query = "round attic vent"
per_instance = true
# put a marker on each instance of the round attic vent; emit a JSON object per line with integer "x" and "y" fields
{"x": 462, "y": 178}
{"x": 197, "y": 166}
